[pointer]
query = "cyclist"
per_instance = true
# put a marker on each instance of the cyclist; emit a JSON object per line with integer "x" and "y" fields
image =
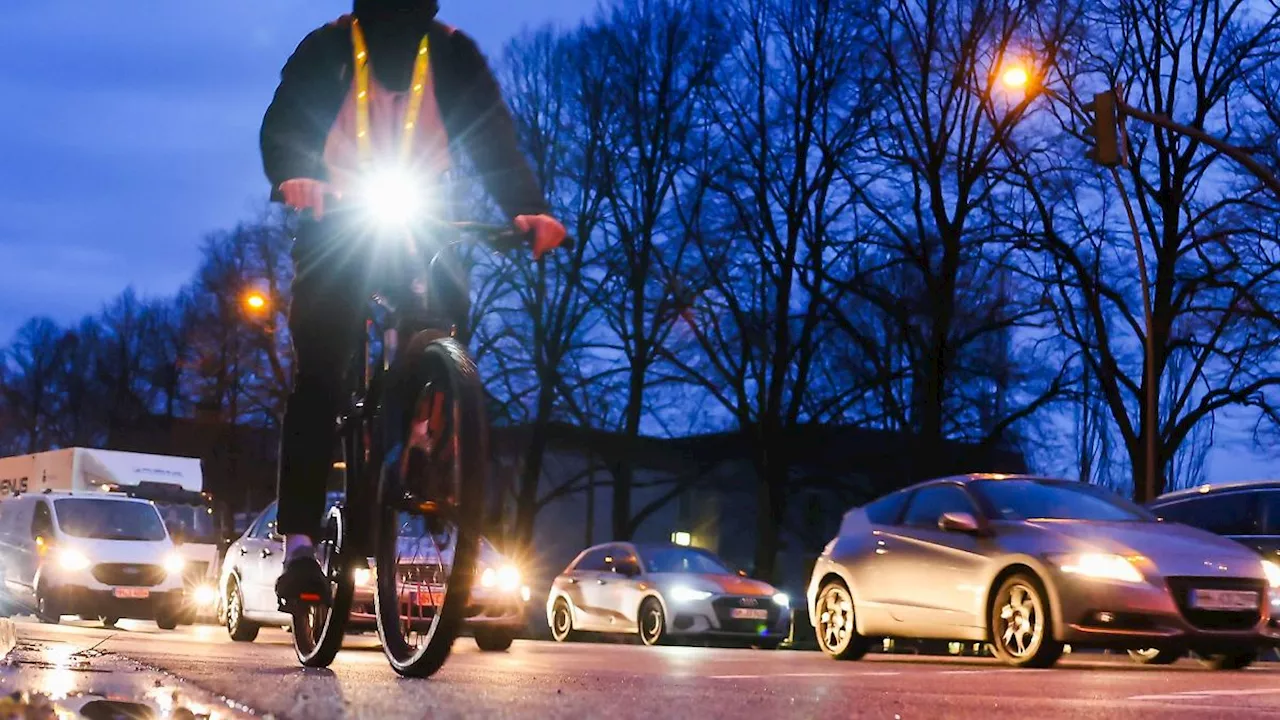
{"x": 386, "y": 81}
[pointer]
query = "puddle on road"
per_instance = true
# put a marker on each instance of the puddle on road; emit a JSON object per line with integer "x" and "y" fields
{"x": 61, "y": 681}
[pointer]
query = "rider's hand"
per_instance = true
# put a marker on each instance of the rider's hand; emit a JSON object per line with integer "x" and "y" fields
{"x": 547, "y": 231}
{"x": 305, "y": 194}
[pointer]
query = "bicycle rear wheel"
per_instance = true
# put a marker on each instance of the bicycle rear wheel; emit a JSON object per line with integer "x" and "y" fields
{"x": 318, "y": 631}
{"x": 430, "y": 497}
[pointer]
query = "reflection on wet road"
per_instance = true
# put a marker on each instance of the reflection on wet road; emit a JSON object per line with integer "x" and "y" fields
{"x": 542, "y": 679}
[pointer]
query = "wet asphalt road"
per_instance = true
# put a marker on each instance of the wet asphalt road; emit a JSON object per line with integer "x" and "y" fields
{"x": 589, "y": 680}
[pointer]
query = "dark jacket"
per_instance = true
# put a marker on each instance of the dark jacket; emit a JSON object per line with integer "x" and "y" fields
{"x": 315, "y": 82}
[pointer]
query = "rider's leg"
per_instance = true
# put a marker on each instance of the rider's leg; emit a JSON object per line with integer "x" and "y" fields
{"x": 325, "y": 318}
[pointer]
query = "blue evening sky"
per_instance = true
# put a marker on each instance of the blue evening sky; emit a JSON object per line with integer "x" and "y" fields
{"x": 130, "y": 130}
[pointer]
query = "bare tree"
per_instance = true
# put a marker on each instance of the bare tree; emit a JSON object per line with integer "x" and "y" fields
{"x": 1212, "y": 264}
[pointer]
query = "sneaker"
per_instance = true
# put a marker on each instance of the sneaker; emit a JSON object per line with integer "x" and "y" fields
{"x": 302, "y": 582}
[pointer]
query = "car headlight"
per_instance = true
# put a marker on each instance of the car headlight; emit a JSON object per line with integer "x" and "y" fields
{"x": 362, "y": 576}
{"x": 488, "y": 578}
{"x": 509, "y": 579}
{"x": 681, "y": 593}
{"x": 782, "y": 599}
{"x": 1272, "y": 571}
{"x": 1099, "y": 566}
{"x": 206, "y": 595}
{"x": 173, "y": 564}
{"x": 72, "y": 560}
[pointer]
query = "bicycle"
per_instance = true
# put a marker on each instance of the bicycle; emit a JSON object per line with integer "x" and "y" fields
{"x": 413, "y": 446}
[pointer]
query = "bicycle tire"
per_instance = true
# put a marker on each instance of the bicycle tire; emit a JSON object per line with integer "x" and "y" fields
{"x": 431, "y": 365}
{"x": 318, "y": 649}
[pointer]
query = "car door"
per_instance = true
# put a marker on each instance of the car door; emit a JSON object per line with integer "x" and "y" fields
{"x": 934, "y": 578}
{"x": 1269, "y": 541}
{"x": 20, "y": 559}
{"x": 260, "y": 548}
{"x": 580, "y": 585}
{"x": 623, "y": 589}
{"x": 40, "y": 543}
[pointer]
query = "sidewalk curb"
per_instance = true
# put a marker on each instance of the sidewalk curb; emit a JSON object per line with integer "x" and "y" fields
{"x": 8, "y": 637}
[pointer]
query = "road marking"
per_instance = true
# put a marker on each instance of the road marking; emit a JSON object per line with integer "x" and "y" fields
{"x": 1201, "y": 694}
{"x": 797, "y": 675}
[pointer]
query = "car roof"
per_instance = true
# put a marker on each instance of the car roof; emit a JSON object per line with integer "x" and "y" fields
{"x": 94, "y": 495}
{"x": 967, "y": 478}
{"x": 1215, "y": 488}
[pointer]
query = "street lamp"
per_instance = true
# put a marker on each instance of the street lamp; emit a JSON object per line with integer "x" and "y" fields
{"x": 1015, "y": 77}
{"x": 255, "y": 301}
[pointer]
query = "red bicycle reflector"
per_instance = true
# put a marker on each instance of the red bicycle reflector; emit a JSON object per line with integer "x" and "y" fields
{"x": 309, "y": 597}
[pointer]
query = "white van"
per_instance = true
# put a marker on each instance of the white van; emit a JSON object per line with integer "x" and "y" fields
{"x": 96, "y": 555}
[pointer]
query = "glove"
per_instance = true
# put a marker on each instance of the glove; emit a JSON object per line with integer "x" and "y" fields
{"x": 305, "y": 194}
{"x": 548, "y": 233}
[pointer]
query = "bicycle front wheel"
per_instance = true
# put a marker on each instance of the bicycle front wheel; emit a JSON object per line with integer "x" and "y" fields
{"x": 430, "y": 495}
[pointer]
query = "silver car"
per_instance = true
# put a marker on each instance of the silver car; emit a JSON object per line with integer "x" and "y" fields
{"x": 1030, "y": 565}
{"x": 662, "y": 591}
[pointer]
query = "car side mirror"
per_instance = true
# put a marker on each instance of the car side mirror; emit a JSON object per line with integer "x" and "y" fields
{"x": 961, "y": 522}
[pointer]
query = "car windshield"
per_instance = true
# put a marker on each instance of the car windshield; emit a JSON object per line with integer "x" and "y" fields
{"x": 109, "y": 519}
{"x": 682, "y": 560}
{"x": 191, "y": 523}
{"x": 1055, "y": 500}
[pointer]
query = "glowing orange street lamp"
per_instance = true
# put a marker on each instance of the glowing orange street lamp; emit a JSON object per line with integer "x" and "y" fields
{"x": 255, "y": 301}
{"x": 1015, "y": 77}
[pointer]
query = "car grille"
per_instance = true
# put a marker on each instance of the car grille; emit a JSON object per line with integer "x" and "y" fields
{"x": 1181, "y": 588}
{"x": 429, "y": 574}
{"x": 128, "y": 574}
{"x": 725, "y": 605}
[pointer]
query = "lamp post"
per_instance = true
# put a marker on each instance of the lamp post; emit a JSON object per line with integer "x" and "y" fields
{"x": 1110, "y": 150}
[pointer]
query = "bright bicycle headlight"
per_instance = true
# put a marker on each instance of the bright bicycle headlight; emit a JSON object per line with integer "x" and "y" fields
{"x": 681, "y": 593}
{"x": 1099, "y": 566}
{"x": 72, "y": 560}
{"x": 393, "y": 198}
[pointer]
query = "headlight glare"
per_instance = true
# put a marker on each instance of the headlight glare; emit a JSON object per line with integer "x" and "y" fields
{"x": 488, "y": 578}
{"x": 1272, "y": 570}
{"x": 206, "y": 595}
{"x": 72, "y": 560}
{"x": 509, "y": 579}
{"x": 1099, "y": 566}
{"x": 782, "y": 599}
{"x": 392, "y": 198}
{"x": 174, "y": 564}
{"x": 681, "y": 593}
{"x": 362, "y": 576}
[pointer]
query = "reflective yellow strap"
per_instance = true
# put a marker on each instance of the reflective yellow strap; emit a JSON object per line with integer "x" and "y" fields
{"x": 417, "y": 90}
{"x": 363, "y": 141}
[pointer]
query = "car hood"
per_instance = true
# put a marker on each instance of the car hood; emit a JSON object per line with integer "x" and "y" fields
{"x": 1174, "y": 549}
{"x": 715, "y": 583}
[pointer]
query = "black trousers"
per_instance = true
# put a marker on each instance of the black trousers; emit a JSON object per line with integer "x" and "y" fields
{"x": 336, "y": 271}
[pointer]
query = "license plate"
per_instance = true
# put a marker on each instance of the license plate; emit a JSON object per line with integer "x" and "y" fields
{"x": 132, "y": 593}
{"x": 748, "y": 614}
{"x": 1224, "y": 599}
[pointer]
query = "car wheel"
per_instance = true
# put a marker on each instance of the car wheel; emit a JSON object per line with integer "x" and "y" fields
{"x": 108, "y": 621}
{"x": 240, "y": 628}
{"x": 562, "y": 622}
{"x": 652, "y": 622}
{"x": 167, "y": 620}
{"x": 1021, "y": 626}
{"x": 768, "y": 644}
{"x": 493, "y": 640}
{"x": 1155, "y": 656}
{"x": 1229, "y": 661}
{"x": 836, "y": 626}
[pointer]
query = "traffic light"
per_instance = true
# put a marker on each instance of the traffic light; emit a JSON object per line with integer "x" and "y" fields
{"x": 1105, "y": 130}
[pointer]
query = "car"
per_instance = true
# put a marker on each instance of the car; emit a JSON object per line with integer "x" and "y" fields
{"x": 1030, "y": 565}
{"x": 662, "y": 592}
{"x": 97, "y": 555}
{"x": 495, "y": 617}
{"x": 1247, "y": 512}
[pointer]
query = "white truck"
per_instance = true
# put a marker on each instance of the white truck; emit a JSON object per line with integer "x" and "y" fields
{"x": 174, "y": 484}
